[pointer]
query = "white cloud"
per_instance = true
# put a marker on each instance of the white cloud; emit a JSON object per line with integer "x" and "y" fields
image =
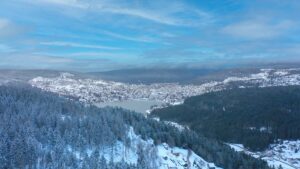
{"x": 129, "y": 38}
{"x": 163, "y": 13}
{"x": 78, "y": 45}
{"x": 8, "y": 28}
{"x": 5, "y": 49}
{"x": 28, "y": 60}
{"x": 87, "y": 55}
{"x": 3, "y": 23}
{"x": 69, "y": 3}
{"x": 158, "y": 14}
{"x": 144, "y": 14}
{"x": 104, "y": 7}
{"x": 257, "y": 29}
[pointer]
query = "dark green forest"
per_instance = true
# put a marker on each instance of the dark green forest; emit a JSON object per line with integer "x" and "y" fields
{"x": 33, "y": 134}
{"x": 254, "y": 117}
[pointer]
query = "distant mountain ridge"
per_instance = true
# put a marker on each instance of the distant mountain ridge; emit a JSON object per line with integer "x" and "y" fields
{"x": 151, "y": 75}
{"x": 147, "y": 76}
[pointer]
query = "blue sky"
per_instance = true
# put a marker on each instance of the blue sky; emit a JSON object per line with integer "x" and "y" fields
{"x": 97, "y": 35}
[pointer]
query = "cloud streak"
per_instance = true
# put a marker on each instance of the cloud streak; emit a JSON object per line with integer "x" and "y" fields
{"x": 166, "y": 16}
{"x": 78, "y": 45}
{"x": 257, "y": 29}
{"x": 129, "y": 38}
{"x": 5, "y": 49}
{"x": 9, "y": 29}
{"x": 41, "y": 61}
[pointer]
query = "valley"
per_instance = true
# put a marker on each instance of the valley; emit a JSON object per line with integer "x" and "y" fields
{"x": 102, "y": 92}
{"x": 149, "y": 99}
{"x": 145, "y": 98}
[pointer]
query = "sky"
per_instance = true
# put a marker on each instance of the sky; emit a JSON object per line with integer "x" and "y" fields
{"x": 99, "y": 35}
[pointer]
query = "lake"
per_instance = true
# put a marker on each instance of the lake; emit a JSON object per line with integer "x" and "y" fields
{"x": 140, "y": 106}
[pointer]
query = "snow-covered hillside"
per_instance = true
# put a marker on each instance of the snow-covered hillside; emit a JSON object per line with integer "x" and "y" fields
{"x": 285, "y": 154}
{"x": 97, "y": 91}
{"x": 162, "y": 156}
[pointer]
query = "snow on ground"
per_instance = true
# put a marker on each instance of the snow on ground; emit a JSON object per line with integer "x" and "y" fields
{"x": 285, "y": 153}
{"x": 178, "y": 126}
{"x": 168, "y": 157}
{"x": 97, "y": 91}
{"x": 100, "y": 91}
{"x": 181, "y": 158}
{"x": 281, "y": 72}
{"x": 237, "y": 147}
{"x": 162, "y": 156}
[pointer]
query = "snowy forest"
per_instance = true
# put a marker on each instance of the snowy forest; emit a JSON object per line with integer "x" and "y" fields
{"x": 43, "y": 130}
{"x": 255, "y": 117}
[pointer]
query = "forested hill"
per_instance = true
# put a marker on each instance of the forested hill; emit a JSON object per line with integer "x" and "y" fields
{"x": 43, "y": 130}
{"x": 254, "y": 117}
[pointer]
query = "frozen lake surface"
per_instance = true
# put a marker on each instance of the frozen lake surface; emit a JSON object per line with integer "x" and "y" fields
{"x": 140, "y": 106}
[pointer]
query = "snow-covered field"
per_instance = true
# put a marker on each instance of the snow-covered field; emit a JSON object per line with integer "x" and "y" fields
{"x": 285, "y": 154}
